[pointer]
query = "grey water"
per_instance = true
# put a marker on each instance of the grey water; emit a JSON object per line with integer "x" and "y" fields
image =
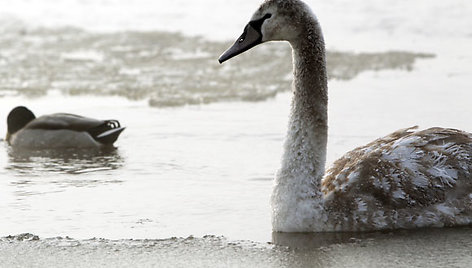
{"x": 191, "y": 176}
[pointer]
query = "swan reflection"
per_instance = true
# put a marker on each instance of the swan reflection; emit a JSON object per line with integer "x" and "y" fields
{"x": 424, "y": 236}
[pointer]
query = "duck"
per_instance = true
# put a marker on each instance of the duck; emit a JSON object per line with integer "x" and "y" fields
{"x": 59, "y": 130}
{"x": 411, "y": 178}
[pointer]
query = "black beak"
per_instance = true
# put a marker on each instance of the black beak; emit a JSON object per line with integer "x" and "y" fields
{"x": 249, "y": 39}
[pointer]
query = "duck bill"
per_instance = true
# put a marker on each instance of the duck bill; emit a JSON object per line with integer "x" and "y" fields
{"x": 249, "y": 39}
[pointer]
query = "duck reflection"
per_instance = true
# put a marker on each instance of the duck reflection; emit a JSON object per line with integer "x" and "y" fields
{"x": 65, "y": 161}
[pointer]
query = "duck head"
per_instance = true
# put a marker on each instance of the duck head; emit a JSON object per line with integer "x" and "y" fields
{"x": 275, "y": 20}
{"x": 17, "y": 119}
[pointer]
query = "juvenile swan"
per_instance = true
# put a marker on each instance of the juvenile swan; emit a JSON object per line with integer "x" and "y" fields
{"x": 59, "y": 130}
{"x": 408, "y": 179}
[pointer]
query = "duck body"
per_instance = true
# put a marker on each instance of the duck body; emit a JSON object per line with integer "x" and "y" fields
{"x": 408, "y": 179}
{"x": 60, "y": 130}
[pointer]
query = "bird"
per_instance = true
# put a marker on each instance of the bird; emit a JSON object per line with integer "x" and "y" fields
{"x": 59, "y": 130}
{"x": 411, "y": 178}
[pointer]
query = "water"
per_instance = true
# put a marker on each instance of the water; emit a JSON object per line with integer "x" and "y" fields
{"x": 204, "y": 140}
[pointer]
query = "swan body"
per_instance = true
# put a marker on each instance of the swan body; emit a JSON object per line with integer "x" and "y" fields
{"x": 60, "y": 130}
{"x": 408, "y": 179}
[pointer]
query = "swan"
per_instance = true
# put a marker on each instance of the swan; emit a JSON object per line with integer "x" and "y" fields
{"x": 60, "y": 130}
{"x": 409, "y": 179}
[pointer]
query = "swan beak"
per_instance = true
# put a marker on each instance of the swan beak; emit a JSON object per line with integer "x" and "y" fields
{"x": 249, "y": 39}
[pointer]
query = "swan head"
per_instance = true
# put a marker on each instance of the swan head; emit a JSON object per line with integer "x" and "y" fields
{"x": 275, "y": 20}
{"x": 17, "y": 119}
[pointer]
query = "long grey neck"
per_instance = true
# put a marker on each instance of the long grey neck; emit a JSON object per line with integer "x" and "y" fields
{"x": 305, "y": 147}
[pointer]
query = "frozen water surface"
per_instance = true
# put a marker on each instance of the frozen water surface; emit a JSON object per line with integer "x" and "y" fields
{"x": 420, "y": 248}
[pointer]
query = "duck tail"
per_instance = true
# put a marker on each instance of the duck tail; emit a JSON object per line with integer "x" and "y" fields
{"x": 107, "y": 133}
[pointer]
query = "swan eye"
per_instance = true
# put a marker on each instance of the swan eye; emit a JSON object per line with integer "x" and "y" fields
{"x": 243, "y": 36}
{"x": 256, "y": 24}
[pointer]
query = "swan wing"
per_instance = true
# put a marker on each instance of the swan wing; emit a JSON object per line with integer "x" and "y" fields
{"x": 404, "y": 169}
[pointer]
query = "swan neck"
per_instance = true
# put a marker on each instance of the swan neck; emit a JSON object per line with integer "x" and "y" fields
{"x": 310, "y": 76}
{"x": 297, "y": 200}
{"x": 309, "y": 118}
